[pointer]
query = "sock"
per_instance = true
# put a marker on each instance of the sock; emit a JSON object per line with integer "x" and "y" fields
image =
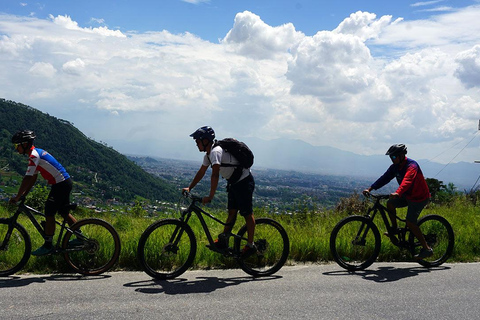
{"x": 48, "y": 241}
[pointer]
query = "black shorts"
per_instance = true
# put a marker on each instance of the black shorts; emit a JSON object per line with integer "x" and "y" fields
{"x": 59, "y": 198}
{"x": 414, "y": 208}
{"x": 240, "y": 196}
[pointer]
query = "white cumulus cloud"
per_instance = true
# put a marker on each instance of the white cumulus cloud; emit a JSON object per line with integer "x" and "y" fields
{"x": 252, "y": 37}
{"x": 368, "y": 82}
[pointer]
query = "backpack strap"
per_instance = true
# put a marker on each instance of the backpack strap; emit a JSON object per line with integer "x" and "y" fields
{"x": 237, "y": 173}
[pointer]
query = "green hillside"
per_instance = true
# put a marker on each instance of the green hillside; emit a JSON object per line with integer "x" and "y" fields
{"x": 96, "y": 169}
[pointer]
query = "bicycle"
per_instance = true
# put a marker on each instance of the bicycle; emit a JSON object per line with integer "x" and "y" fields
{"x": 90, "y": 247}
{"x": 167, "y": 248}
{"x": 355, "y": 241}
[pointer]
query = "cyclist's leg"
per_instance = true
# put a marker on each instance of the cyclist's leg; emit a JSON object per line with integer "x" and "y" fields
{"x": 50, "y": 209}
{"x": 250, "y": 223}
{"x": 63, "y": 200}
{"x": 242, "y": 193}
{"x": 392, "y": 205}
{"x": 70, "y": 219}
{"x": 413, "y": 211}
{"x": 231, "y": 219}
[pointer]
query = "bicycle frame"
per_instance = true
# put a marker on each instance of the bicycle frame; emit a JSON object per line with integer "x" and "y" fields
{"x": 378, "y": 207}
{"x": 199, "y": 212}
{"x": 30, "y": 213}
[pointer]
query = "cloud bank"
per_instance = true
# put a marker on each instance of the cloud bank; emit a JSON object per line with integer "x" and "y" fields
{"x": 370, "y": 82}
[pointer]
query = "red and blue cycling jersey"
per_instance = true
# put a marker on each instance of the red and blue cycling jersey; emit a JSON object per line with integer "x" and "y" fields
{"x": 412, "y": 184}
{"x": 40, "y": 161}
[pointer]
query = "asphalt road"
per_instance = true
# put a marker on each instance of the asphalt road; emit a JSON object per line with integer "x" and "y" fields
{"x": 384, "y": 291}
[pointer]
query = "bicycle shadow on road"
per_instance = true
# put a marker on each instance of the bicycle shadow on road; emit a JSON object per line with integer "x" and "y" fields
{"x": 185, "y": 286}
{"x": 387, "y": 273}
{"x": 20, "y": 281}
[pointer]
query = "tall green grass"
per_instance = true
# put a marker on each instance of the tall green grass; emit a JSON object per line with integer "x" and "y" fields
{"x": 309, "y": 234}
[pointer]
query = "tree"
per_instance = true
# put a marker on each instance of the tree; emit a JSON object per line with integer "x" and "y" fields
{"x": 434, "y": 186}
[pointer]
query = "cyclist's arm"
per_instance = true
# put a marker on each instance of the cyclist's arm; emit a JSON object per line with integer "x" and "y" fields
{"x": 27, "y": 184}
{"x": 213, "y": 183}
{"x": 197, "y": 178}
{"x": 408, "y": 180}
{"x": 384, "y": 179}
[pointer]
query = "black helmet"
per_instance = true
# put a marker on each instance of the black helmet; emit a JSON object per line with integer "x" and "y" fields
{"x": 205, "y": 132}
{"x": 396, "y": 149}
{"x": 23, "y": 136}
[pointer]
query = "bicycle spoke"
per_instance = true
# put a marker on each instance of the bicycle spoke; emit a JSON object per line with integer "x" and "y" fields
{"x": 96, "y": 250}
{"x": 166, "y": 249}
{"x": 272, "y": 245}
{"x": 15, "y": 252}
{"x": 355, "y": 243}
{"x": 439, "y": 236}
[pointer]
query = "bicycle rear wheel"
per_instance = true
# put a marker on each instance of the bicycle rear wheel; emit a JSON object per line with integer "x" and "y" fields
{"x": 166, "y": 249}
{"x": 439, "y": 235}
{"x": 14, "y": 252}
{"x": 355, "y": 243}
{"x": 93, "y": 251}
{"x": 273, "y": 247}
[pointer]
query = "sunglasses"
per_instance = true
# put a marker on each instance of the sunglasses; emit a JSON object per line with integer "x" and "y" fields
{"x": 393, "y": 157}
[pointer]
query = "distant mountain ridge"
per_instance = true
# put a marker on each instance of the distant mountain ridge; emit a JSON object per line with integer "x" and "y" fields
{"x": 96, "y": 169}
{"x": 109, "y": 172}
{"x": 297, "y": 155}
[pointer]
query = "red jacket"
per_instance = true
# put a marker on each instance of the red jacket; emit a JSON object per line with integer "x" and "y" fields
{"x": 412, "y": 184}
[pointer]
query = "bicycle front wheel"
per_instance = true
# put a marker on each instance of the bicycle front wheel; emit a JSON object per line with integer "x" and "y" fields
{"x": 439, "y": 236}
{"x": 355, "y": 243}
{"x": 14, "y": 250}
{"x": 166, "y": 249}
{"x": 92, "y": 247}
{"x": 273, "y": 247}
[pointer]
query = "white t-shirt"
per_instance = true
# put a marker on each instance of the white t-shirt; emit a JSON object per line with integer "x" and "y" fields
{"x": 219, "y": 156}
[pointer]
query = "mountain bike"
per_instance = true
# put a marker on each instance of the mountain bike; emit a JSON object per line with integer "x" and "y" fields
{"x": 167, "y": 247}
{"x": 355, "y": 241}
{"x": 91, "y": 246}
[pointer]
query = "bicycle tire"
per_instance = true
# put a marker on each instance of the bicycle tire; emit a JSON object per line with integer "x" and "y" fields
{"x": 98, "y": 247}
{"x": 162, "y": 254}
{"x": 440, "y": 237}
{"x": 17, "y": 251}
{"x": 273, "y": 247}
{"x": 355, "y": 243}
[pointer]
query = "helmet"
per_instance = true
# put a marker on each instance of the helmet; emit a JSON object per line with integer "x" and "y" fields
{"x": 396, "y": 149}
{"x": 205, "y": 132}
{"x": 23, "y": 136}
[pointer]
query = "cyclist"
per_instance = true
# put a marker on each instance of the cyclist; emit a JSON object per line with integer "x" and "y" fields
{"x": 240, "y": 193}
{"x": 40, "y": 161}
{"x": 412, "y": 192}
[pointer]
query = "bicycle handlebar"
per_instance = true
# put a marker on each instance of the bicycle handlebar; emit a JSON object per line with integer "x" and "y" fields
{"x": 377, "y": 196}
{"x": 20, "y": 201}
{"x": 191, "y": 196}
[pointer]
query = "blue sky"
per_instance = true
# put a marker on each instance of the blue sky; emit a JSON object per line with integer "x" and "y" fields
{"x": 211, "y": 19}
{"x": 355, "y": 75}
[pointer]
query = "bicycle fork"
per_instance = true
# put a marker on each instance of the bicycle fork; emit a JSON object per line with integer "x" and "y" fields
{"x": 361, "y": 235}
{"x": 6, "y": 240}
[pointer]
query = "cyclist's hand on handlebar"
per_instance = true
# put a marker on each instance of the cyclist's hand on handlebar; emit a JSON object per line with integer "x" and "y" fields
{"x": 394, "y": 195}
{"x": 185, "y": 191}
{"x": 366, "y": 192}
